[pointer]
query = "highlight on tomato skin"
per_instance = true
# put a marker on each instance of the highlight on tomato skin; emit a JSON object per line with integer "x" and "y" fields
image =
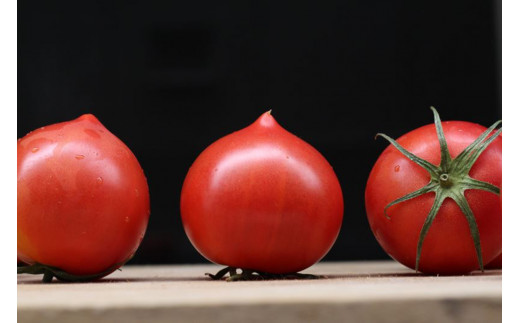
{"x": 83, "y": 201}
{"x": 262, "y": 199}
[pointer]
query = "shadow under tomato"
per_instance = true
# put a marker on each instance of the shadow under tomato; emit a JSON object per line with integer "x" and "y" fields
{"x": 411, "y": 274}
{"x": 37, "y": 279}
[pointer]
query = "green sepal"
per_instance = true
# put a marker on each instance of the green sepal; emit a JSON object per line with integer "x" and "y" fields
{"x": 445, "y": 153}
{"x": 419, "y": 161}
{"x": 461, "y": 161}
{"x": 471, "y": 183}
{"x": 423, "y": 190}
{"x": 461, "y": 201}
{"x": 439, "y": 198}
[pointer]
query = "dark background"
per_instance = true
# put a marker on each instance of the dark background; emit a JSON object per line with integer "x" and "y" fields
{"x": 170, "y": 77}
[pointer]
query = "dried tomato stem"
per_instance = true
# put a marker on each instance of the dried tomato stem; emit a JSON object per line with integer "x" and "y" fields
{"x": 49, "y": 272}
{"x": 248, "y": 275}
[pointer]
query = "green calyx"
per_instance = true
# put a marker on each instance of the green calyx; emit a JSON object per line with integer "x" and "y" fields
{"x": 50, "y": 272}
{"x": 449, "y": 180}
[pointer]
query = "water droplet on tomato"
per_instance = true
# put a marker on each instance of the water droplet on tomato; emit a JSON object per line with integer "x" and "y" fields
{"x": 127, "y": 219}
{"x": 78, "y": 157}
{"x": 396, "y": 168}
{"x": 136, "y": 192}
{"x": 99, "y": 180}
{"x": 35, "y": 149}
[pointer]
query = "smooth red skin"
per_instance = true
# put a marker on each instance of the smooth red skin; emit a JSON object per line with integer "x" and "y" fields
{"x": 262, "y": 199}
{"x": 448, "y": 247}
{"x": 495, "y": 263}
{"x": 82, "y": 215}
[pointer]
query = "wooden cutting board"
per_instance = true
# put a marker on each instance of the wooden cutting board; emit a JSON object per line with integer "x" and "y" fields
{"x": 375, "y": 291}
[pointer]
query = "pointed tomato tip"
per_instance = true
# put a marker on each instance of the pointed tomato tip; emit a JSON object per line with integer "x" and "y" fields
{"x": 88, "y": 117}
{"x": 267, "y": 120}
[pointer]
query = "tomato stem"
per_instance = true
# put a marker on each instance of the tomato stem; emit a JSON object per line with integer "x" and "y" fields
{"x": 445, "y": 180}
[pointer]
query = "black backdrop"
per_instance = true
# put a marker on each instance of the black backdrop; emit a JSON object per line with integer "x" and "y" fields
{"x": 169, "y": 78}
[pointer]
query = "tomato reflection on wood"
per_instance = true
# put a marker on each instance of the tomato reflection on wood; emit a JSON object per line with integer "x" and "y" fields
{"x": 83, "y": 203}
{"x": 444, "y": 219}
{"x": 261, "y": 199}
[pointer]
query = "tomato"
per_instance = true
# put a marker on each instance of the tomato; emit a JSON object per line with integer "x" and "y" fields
{"x": 262, "y": 199}
{"x": 83, "y": 203}
{"x": 453, "y": 241}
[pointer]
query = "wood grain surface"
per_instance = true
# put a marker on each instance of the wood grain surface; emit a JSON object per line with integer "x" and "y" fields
{"x": 376, "y": 291}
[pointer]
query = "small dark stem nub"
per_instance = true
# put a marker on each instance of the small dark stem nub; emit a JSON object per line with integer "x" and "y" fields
{"x": 445, "y": 180}
{"x": 256, "y": 275}
{"x": 47, "y": 276}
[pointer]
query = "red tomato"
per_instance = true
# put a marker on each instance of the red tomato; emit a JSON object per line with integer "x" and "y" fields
{"x": 83, "y": 203}
{"x": 262, "y": 199}
{"x": 448, "y": 246}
